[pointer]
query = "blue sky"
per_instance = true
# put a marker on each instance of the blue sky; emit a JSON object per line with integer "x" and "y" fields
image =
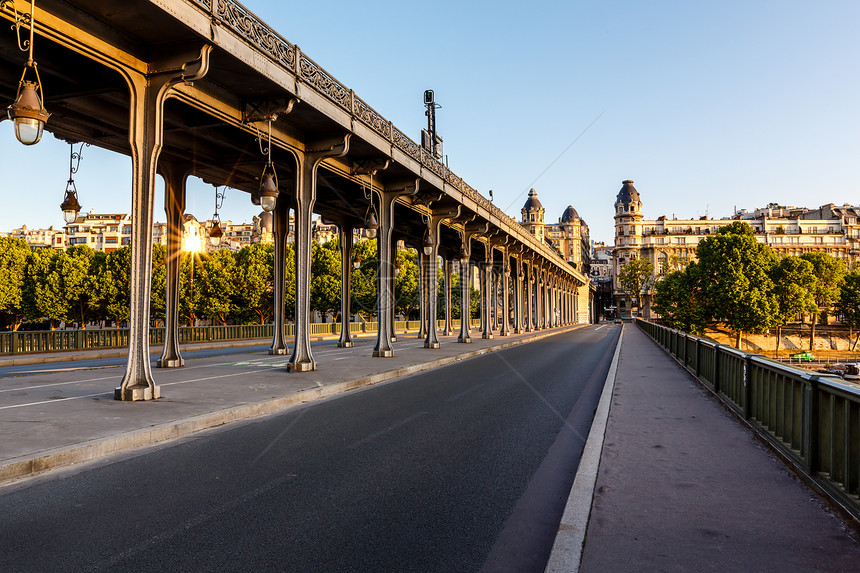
{"x": 706, "y": 106}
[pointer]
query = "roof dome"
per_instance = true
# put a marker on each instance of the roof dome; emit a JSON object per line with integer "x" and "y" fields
{"x": 266, "y": 222}
{"x": 570, "y": 215}
{"x": 532, "y": 203}
{"x": 628, "y": 193}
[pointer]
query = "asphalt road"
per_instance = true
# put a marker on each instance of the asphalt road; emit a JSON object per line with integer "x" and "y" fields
{"x": 463, "y": 468}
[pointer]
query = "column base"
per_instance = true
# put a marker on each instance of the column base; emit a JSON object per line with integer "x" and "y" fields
{"x": 170, "y": 363}
{"x": 137, "y": 393}
{"x": 301, "y": 366}
{"x": 465, "y": 340}
{"x": 394, "y": 338}
{"x": 346, "y": 344}
{"x": 504, "y": 334}
{"x": 383, "y": 354}
{"x": 487, "y": 335}
{"x": 278, "y": 351}
{"x": 432, "y": 345}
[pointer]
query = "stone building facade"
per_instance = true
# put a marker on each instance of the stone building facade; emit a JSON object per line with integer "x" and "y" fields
{"x": 569, "y": 236}
{"x": 670, "y": 244}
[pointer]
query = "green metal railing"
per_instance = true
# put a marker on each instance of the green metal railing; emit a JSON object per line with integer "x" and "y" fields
{"x": 812, "y": 419}
{"x": 29, "y": 342}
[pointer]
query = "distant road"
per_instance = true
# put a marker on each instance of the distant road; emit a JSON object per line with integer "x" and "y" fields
{"x": 462, "y": 468}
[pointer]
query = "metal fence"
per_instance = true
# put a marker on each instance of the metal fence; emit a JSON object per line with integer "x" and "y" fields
{"x": 812, "y": 419}
{"x": 29, "y": 342}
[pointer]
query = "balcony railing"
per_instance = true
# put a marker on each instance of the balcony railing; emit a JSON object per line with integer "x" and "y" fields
{"x": 812, "y": 420}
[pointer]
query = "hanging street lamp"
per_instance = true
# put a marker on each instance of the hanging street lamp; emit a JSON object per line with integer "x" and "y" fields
{"x": 27, "y": 111}
{"x": 70, "y": 205}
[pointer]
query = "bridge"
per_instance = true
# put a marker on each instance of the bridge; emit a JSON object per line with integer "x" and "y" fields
{"x": 467, "y": 462}
{"x": 204, "y": 88}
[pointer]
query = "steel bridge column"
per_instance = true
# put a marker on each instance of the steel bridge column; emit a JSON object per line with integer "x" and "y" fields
{"x": 518, "y": 296}
{"x": 174, "y": 176}
{"x": 466, "y": 279}
{"x": 465, "y": 297}
{"x": 529, "y": 279}
{"x": 486, "y": 324}
{"x": 146, "y": 132}
{"x": 422, "y": 293}
{"x": 449, "y": 268}
{"x": 306, "y": 194}
{"x": 280, "y": 230}
{"x": 385, "y": 272}
{"x": 345, "y": 241}
{"x": 505, "y": 277}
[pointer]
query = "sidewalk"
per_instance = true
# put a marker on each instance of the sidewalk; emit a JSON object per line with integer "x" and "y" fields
{"x": 59, "y": 417}
{"x": 682, "y": 486}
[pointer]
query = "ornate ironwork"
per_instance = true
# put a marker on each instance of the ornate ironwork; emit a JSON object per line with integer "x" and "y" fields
{"x": 406, "y": 145}
{"x": 313, "y": 74}
{"x": 371, "y": 118}
{"x": 242, "y": 21}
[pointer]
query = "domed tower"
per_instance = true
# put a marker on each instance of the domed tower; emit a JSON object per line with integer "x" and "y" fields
{"x": 533, "y": 213}
{"x": 263, "y": 228}
{"x": 572, "y": 224}
{"x": 628, "y": 232}
{"x": 628, "y": 217}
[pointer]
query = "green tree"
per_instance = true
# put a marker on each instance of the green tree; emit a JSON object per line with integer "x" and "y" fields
{"x": 157, "y": 295}
{"x": 325, "y": 277}
{"x": 829, "y": 272}
{"x": 36, "y": 297}
{"x": 849, "y": 302}
{"x": 217, "y": 286}
{"x": 406, "y": 290}
{"x": 255, "y": 283}
{"x": 792, "y": 285}
{"x": 735, "y": 278}
{"x": 364, "y": 279}
{"x": 113, "y": 285}
{"x": 635, "y": 278}
{"x": 65, "y": 285}
{"x": 678, "y": 300}
{"x": 13, "y": 264}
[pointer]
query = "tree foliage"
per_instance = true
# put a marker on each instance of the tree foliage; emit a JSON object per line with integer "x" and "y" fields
{"x": 735, "y": 279}
{"x": 636, "y": 277}
{"x": 13, "y": 264}
{"x": 678, "y": 299}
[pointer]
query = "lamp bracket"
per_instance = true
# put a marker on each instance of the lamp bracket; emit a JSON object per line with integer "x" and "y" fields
{"x": 22, "y": 20}
{"x": 265, "y": 111}
{"x": 193, "y": 64}
{"x": 369, "y": 166}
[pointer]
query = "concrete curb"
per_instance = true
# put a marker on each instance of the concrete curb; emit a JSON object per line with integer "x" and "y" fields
{"x": 569, "y": 541}
{"x": 32, "y": 465}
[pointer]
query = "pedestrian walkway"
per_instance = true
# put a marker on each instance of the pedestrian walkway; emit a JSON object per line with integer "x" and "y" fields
{"x": 66, "y": 415}
{"x": 684, "y": 486}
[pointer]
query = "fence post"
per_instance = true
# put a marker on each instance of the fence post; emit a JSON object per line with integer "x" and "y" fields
{"x": 716, "y": 375}
{"x": 747, "y": 406}
{"x": 810, "y": 424}
{"x": 13, "y": 343}
{"x": 698, "y": 357}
